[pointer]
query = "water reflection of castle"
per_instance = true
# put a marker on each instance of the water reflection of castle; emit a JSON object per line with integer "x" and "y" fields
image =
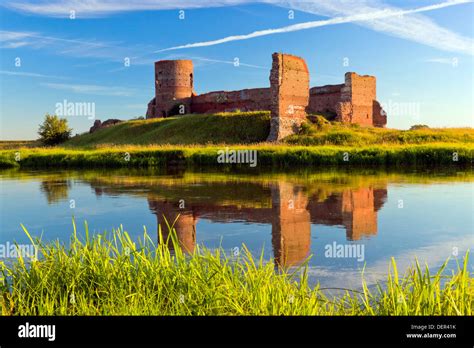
{"x": 290, "y": 208}
{"x": 291, "y": 214}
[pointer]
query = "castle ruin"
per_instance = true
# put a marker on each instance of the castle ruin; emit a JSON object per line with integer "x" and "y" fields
{"x": 289, "y": 97}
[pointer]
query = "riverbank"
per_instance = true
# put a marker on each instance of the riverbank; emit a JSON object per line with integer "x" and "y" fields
{"x": 262, "y": 155}
{"x": 197, "y": 140}
{"x": 112, "y": 275}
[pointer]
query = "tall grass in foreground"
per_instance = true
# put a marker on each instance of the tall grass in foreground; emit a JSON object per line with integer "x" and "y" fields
{"x": 109, "y": 274}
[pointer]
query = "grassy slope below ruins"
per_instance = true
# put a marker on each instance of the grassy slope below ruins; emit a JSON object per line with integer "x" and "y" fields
{"x": 195, "y": 140}
{"x": 253, "y": 127}
{"x": 249, "y": 127}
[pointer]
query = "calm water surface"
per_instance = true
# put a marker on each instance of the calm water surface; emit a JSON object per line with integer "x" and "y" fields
{"x": 370, "y": 216}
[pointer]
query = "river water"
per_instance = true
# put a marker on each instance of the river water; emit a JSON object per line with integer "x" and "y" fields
{"x": 339, "y": 221}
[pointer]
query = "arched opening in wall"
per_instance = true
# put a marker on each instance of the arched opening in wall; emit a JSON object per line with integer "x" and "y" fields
{"x": 191, "y": 79}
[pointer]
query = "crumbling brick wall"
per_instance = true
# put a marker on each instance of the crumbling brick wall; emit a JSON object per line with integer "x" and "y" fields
{"x": 352, "y": 102}
{"x": 359, "y": 91}
{"x": 220, "y": 101}
{"x": 289, "y": 93}
{"x": 173, "y": 87}
{"x": 324, "y": 99}
{"x": 380, "y": 116}
{"x": 288, "y": 97}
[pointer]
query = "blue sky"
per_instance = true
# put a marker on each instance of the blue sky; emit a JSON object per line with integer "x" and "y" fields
{"x": 421, "y": 52}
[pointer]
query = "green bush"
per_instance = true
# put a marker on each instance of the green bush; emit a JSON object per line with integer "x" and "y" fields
{"x": 54, "y": 130}
{"x": 419, "y": 126}
{"x": 320, "y": 123}
{"x": 341, "y": 138}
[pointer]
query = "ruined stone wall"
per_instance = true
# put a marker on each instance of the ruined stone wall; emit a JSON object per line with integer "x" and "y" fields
{"x": 380, "y": 117}
{"x": 360, "y": 90}
{"x": 352, "y": 102}
{"x": 288, "y": 98}
{"x": 222, "y": 101}
{"x": 324, "y": 98}
{"x": 357, "y": 100}
{"x": 173, "y": 86}
{"x": 289, "y": 94}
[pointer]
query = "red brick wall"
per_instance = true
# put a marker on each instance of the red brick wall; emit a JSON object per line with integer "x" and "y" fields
{"x": 360, "y": 92}
{"x": 324, "y": 98}
{"x": 289, "y": 94}
{"x": 353, "y": 102}
{"x": 380, "y": 117}
{"x": 173, "y": 85}
{"x": 288, "y": 97}
{"x": 220, "y": 101}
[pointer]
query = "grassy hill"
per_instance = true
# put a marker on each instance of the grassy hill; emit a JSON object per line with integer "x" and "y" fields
{"x": 231, "y": 128}
{"x": 253, "y": 127}
{"x": 195, "y": 140}
{"x": 321, "y": 132}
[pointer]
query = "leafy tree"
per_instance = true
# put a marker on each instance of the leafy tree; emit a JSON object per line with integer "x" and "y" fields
{"x": 54, "y": 130}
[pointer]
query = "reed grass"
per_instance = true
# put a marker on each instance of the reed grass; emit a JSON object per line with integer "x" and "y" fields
{"x": 109, "y": 274}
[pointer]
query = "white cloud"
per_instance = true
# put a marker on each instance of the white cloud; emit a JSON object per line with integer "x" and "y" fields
{"x": 94, "y": 8}
{"x": 92, "y": 89}
{"x": 27, "y": 74}
{"x": 407, "y": 24}
{"x": 15, "y": 39}
{"x": 449, "y": 61}
{"x": 231, "y": 62}
{"x": 433, "y": 255}
{"x": 410, "y": 25}
{"x": 78, "y": 48}
{"x": 391, "y": 20}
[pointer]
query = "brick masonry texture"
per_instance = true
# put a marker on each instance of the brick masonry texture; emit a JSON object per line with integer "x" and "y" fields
{"x": 289, "y": 94}
{"x": 289, "y": 97}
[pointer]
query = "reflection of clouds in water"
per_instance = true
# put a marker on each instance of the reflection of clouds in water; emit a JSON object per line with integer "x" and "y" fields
{"x": 288, "y": 219}
{"x": 433, "y": 255}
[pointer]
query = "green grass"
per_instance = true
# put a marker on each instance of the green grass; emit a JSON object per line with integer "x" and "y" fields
{"x": 15, "y": 144}
{"x": 324, "y": 133}
{"x": 109, "y": 274}
{"x": 277, "y": 156}
{"x": 231, "y": 128}
{"x": 254, "y": 127}
{"x": 195, "y": 139}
